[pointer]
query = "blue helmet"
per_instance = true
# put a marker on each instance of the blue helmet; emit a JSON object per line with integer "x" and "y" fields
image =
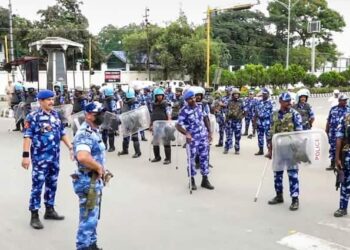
{"x": 188, "y": 94}
{"x": 94, "y": 107}
{"x": 18, "y": 86}
{"x": 130, "y": 93}
{"x": 285, "y": 97}
{"x": 108, "y": 91}
{"x": 158, "y": 91}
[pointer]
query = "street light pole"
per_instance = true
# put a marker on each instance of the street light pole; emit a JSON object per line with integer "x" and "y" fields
{"x": 12, "y": 57}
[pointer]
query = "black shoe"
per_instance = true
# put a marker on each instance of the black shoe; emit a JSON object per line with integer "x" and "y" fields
{"x": 245, "y": 133}
{"x": 340, "y": 212}
{"x": 250, "y": 136}
{"x": 276, "y": 200}
{"x": 211, "y": 166}
{"x": 236, "y": 152}
{"x": 94, "y": 247}
{"x": 51, "y": 214}
{"x": 35, "y": 221}
{"x": 144, "y": 139}
{"x": 111, "y": 149}
{"x": 331, "y": 167}
{"x": 123, "y": 152}
{"x": 206, "y": 184}
{"x": 136, "y": 155}
{"x": 225, "y": 152}
{"x": 193, "y": 184}
{"x": 157, "y": 159}
{"x": 260, "y": 152}
{"x": 166, "y": 162}
{"x": 16, "y": 129}
{"x": 295, "y": 204}
{"x": 219, "y": 145}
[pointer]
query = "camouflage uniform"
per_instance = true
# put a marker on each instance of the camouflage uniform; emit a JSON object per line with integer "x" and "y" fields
{"x": 88, "y": 139}
{"x": 306, "y": 113}
{"x": 263, "y": 115}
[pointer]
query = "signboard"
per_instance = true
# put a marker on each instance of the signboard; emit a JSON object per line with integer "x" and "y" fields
{"x": 112, "y": 76}
{"x": 314, "y": 27}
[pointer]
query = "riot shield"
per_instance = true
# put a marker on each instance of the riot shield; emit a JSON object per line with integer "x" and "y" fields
{"x": 76, "y": 120}
{"x": 64, "y": 112}
{"x": 164, "y": 132}
{"x": 135, "y": 120}
{"x": 212, "y": 120}
{"x": 19, "y": 111}
{"x": 110, "y": 121}
{"x": 34, "y": 106}
{"x": 308, "y": 148}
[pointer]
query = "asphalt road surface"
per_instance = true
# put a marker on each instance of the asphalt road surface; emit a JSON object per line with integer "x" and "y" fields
{"x": 148, "y": 207}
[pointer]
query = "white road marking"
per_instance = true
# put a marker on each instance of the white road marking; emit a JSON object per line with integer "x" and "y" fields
{"x": 300, "y": 241}
{"x": 339, "y": 224}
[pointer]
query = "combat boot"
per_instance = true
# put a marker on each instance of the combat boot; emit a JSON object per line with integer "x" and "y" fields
{"x": 295, "y": 204}
{"x": 193, "y": 184}
{"x": 125, "y": 150}
{"x": 340, "y": 212}
{"x": 219, "y": 145}
{"x": 277, "y": 199}
{"x": 331, "y": 167}
{"x": 51, "y": 214}
{"x": 206, "y": 184}
{"x": 245, "y": 132}
{"x": 250, "y": 136}
{"x": 137, "y": 150}
{"x": 225, "y": 152}
{"x": 260, "y": 152}
{"x": 35, "y": 221}
{"x": 94, "y": 247}
{"x": 167, "y": 159}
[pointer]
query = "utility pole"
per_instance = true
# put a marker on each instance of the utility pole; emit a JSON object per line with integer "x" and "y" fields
{"x": 12, "y": 57}
{"x": 148, "y": 45}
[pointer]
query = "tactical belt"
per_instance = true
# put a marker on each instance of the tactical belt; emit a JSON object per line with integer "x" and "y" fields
{"x": 85, "y": 171}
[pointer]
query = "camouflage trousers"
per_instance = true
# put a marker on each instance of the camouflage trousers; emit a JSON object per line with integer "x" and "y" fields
{"x": 88, "y": 220}
{"x": 345, "y": 190}
{"x": 233, "y": 127}
{"x": 263, "y": 131}
{"x": 199, "y": 147}
{"x": 332, "y": 143}
{"x": 248, "y": 119}
{"x": 44, "y": 173}
{"x": 220, "y": 120}
{"x": 293, "y": 182}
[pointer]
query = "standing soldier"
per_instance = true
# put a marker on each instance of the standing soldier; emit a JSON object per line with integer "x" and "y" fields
{"x": 304, "y": 109}
{"x": 161, "y": 112}
{"x": 249, "y": 109}
{"x": 110, "y": 105}
{"x": 131, "y": 103}
{"x": 335, "y": 114}
{"x": 141, "y": 100}
{"x": 17, "y": 98}
{"x": 79, "y": 100}
{"x": 58, "y": 94}
{"x": 285, "y": 120}
{"x": 191, "y": 124}
{"x": 220, "y": 111}
{"x": 262, "y": 119}
{"x": 42, "y": 136}
{"x": 233, "y": 121}
{"x": 30, "y": 97}
{"x": 147, "y": 96}
{"x": 66, "y": 95}
{"x": 89, "y": 152}
{"x": 177, "y": 104}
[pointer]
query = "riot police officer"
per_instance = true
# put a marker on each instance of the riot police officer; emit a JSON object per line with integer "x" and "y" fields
{"x": 286, "y": 119}
{"x": 177, "y": 104}
{"x": 89, "y": 151}
{"x": 42, "y": 135}
{"x": 110, "y": 105}
{"x": 249, "y": 109}
{"x": 79, "y": 100}
{"x": 304, "y": 109}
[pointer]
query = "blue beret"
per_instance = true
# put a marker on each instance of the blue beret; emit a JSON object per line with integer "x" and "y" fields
{"x": 285, "y": 97}
{"x": 188, "y": 94}
{"x": 94, "y": 107}
{"x": 44, "y": 94}
{"x": 265, "y": 91}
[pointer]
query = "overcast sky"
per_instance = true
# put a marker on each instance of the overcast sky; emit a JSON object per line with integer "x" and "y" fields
{"x": 120, "y": 13}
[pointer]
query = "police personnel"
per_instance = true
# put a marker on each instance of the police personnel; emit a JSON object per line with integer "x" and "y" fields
{"x": 42, "y": 135}
{"x": 89, "y": 152}
{"x": 285, "y": 120}
{"x": 191, "y": 124}
{"x": 334, "y": 116}
{"x": 249, "y": 109}
{"x": 304, "y": 109}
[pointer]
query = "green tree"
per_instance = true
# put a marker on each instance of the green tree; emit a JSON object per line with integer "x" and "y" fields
{"x": 332, "y": 78}
{"x": 310, "y": 80}
{"x": 295, "y": 73}
{"x": 277, "y": 75}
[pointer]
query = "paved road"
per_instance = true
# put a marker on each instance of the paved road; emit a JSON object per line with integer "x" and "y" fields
{"x": 148, "y": 207}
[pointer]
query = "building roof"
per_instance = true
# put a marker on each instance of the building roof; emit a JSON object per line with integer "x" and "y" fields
{"x": 55, "y": 42}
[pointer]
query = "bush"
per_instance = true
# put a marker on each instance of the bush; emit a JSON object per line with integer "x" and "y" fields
{"x": 332, "y": 79}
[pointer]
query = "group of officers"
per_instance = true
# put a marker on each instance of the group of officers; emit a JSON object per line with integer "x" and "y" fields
{"x": 191, "y": 109}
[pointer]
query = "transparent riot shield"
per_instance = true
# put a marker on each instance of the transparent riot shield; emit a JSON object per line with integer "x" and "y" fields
{"x": 305, "y": 148}
{"x": 64, "y": 112}
{"x": 135, "y": 120}
{"x": 164, "y": 132}
{"x": 19, "y": 111}
{"x": 76, "y": 120}
{"x": 110, "y": 121}
{"x": 34, "y": 106}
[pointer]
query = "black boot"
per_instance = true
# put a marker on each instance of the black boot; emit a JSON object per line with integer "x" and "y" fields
{"x": 277, "y": 199}
{"x": 206, "y": 184}
{"x": 331, "y": 167}
{"x": 193, "y": 184}
{"x": 219, "y": 145}
{"x": 137, "y": 149}
{"x": 340, "y": 212}
{"x": 295, "y": 204}
{"x": 156, "y": 152}
{"x": 35, "y": 221}
{"x": 125, "y": 150}
{"x": 94, "y": 247}
{"x": 167, "y": 151}
{"x": 111, "y": 142}
{"x": 260, "y": 152}
{"x": 246, "y": 131}
{"x": 51, "y": 214}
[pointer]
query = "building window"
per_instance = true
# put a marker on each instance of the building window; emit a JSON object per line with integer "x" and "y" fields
{"x": 0, "y": 47}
